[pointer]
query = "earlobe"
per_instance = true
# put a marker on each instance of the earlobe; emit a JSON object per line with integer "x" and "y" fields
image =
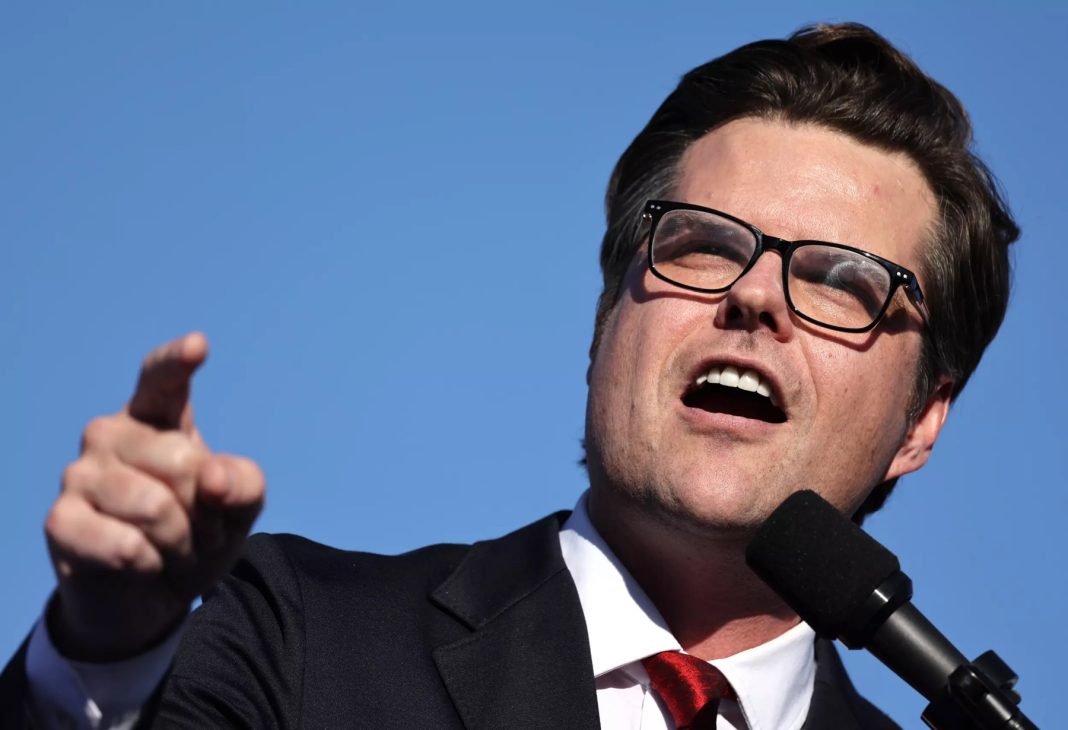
{"x": 921, "y": 436}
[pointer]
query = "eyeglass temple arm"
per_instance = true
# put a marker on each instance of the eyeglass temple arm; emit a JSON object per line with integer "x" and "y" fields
{"x": 915, "y": 295}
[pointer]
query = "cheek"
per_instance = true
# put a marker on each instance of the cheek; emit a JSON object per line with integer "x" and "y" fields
{"x": 665, "y": 316}
{"x": 647, "y": 324}
{"x": 631, "y": 367}
{"x": 864, "y": 393}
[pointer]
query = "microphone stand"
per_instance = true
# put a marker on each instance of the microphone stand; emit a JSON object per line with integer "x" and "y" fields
{"x": 978, "y": 696}
{"x": 966, "y": 696}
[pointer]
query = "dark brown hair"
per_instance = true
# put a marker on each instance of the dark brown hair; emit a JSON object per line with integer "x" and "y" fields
{"x": 848, "y": 78}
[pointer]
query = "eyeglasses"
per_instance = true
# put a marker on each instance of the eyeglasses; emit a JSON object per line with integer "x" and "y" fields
{"x": 829, "y": 284}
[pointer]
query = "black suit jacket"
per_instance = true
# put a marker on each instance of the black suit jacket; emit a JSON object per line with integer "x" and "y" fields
{"x": 480, "y": 637}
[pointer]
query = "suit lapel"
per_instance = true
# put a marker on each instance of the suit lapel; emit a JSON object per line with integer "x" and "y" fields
{"x": 526, "y": 662}
{"x": 836, "y": 704}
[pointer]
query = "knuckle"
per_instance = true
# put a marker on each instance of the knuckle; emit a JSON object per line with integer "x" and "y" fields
{"x": 98, "y": 432}
{"x": 116, "y": 483}
{"x": 155, "y": 505}
{"x": 173, "y": 536}
{"x": 127, "y": 548}
{"x": 184, "y": 459}
{"x": 78, "y": 476}
{"x": 57, "y": 519}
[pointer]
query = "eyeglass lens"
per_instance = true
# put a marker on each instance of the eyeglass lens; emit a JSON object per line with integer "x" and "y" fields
{"x": 831, "y": 285}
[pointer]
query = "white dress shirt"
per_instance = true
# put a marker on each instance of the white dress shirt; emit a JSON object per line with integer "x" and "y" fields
{"x": 773, "y": 681}
{"x": 83, "y": 696}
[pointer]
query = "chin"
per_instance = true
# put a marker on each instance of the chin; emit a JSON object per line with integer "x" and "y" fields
{"x": 718, "y": 507}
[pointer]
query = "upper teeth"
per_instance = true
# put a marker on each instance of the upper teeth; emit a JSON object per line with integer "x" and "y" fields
{"x": 729, "y": 376}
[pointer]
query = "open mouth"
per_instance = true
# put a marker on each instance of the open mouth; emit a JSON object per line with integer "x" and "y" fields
{"x": 736, "y": 393}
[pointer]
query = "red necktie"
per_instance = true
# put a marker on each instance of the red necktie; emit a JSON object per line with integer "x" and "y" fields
{"x": 691, "y": 688}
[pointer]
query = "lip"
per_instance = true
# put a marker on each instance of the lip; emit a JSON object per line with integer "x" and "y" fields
{"x": 725, "y": 424}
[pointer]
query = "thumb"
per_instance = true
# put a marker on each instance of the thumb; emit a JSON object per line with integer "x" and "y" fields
{"x": 161, "y": 398}
{"x": 230, "y": 495}
{"x": 234, "y": 486}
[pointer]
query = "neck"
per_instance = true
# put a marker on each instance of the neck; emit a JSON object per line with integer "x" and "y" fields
{"x": 712, "y": 602}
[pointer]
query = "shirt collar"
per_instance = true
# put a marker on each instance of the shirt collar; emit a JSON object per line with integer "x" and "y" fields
{"x": 623, "y": 624}
{"x": 773, "y": 681}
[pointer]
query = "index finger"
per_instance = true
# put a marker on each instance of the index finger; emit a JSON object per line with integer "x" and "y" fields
{"x": 162, "y": 395}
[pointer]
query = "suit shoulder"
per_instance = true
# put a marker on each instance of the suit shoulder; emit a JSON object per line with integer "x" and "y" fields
{"x": 313, "y": 562}
{"x": 296, "y": 623}
{"x": 871, "y": 716}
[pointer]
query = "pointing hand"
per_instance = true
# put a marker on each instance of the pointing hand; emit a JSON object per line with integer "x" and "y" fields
{"x": 148, "y": 517}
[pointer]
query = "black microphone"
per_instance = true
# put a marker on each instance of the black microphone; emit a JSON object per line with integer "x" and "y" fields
{"x": 845, "y": 584}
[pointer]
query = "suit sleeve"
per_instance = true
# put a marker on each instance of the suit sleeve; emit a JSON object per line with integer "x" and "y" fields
{"x": 240, "y": 663}
{"x": 15, "y": 692}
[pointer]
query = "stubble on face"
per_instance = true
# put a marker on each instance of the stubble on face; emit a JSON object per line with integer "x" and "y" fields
{"x": 845, "y": 396}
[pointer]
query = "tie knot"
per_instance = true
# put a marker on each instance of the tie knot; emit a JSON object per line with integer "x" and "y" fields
{"x": 690, "y": 688}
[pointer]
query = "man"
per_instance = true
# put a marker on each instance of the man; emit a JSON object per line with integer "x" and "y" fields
{"x": 802, "y": 267}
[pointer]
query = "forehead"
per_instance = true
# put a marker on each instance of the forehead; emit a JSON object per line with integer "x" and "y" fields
{"x": 802, "y": 181}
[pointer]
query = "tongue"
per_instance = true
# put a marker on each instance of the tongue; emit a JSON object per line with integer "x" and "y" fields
{"x": 734, "y": 402}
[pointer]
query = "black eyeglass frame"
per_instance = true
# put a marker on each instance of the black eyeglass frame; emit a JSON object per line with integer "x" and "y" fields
{"x": 654, "y": 211}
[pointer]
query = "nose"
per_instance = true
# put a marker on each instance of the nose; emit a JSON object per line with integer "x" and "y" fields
{"x": 757, "y": 300}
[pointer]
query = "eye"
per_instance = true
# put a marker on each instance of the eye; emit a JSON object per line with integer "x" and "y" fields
{"x": 838, "y": 284}
{"x": 696, "y": 241}
{"x": 694, "y": 247}
{"x": 859, "y": 281}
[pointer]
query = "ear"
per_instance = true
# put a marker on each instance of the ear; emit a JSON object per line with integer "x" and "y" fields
{"x": 920, "y": 439}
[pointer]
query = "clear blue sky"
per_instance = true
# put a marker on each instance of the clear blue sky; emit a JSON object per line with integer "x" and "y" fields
{"x": 387, "y": 219}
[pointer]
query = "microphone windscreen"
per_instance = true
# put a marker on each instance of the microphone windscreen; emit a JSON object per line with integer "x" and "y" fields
{"x": 818, "y": 561}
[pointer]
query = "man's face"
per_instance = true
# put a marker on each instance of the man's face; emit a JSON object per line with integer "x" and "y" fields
{"x": 702, "y": 462}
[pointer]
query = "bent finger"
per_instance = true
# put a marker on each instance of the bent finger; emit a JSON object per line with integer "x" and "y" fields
{"x": 80, "y": 536}
{"x": 134, "y": 497}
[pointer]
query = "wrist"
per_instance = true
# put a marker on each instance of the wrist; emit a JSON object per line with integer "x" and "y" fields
{"x": 82, "y": 636}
